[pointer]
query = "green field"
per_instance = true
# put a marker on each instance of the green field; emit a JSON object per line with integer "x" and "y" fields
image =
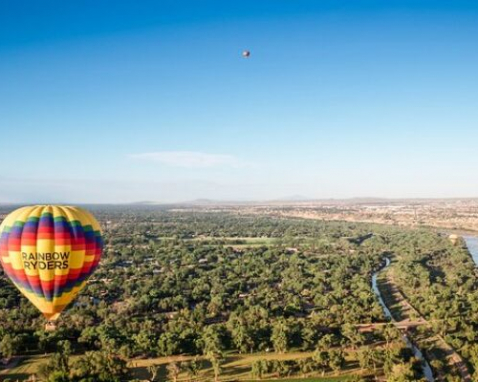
{"x": 236, "y": 367}
{"x": 25, "y": 367}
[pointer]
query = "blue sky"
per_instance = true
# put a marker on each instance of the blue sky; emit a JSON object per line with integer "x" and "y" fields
{"x": 127, "y": 101}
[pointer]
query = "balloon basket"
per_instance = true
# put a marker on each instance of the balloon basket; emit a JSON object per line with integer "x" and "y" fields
{"x": 50, "y": 326}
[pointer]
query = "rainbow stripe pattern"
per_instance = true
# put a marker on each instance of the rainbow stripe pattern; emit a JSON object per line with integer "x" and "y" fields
{"x": 49, "y": 252}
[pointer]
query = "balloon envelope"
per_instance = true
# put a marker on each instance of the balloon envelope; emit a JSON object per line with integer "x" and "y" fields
{"x": 49, "y": 252}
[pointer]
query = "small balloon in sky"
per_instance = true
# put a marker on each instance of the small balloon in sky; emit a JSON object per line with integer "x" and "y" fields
{"x": 246, "y": 53}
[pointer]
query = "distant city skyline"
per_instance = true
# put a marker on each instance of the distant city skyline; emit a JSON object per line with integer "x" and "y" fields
{"x": 121, "y": 102}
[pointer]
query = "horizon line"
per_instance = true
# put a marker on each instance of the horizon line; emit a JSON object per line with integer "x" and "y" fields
{"x": 284, "y": 201}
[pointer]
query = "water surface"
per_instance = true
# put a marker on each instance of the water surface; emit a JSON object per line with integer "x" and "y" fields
{"x": 472, "y": 244}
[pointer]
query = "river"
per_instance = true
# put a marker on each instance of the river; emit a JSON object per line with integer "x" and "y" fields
{"x": 472, "y": 245}
{"x": 427, "y": 370}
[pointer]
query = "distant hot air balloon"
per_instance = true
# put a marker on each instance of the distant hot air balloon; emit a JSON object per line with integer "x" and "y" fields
{"x": 246, "y": 54}
{"x": 49, "y": 252}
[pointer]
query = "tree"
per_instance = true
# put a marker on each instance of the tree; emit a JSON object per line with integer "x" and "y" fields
{"x": 259, "y": 368}
{"x": 325, "y": 342}
{"x": 241, "y": 335}
{"x": 308, "y": 336}
{"x": 192, "y": 368}
{"x": 211, "y": 339}
{"x": 336, "y": 360}
{"x": 144, "y": 342}
{"x": 321, "y": 359}
{"x": 364, "y": 358}
{"x": 306, "y": 365}
{"x": 402, "y": 372}
{"x": 58, "y": 376}
{"x": 173, "y": 370}
{"x": 168, "y": 343}
{"x": 62, "y": 357}
{"x": 351, "y": 332}
{"x": 217, "y": 361}
{"x": 58, "y": 366}
{"x": 279, "y": 336}
{"x": 153, "y": 370}
{"x": 389, "y": 333}
{"x": 9, "y": 345}
{"x": 100, "y": 366}
{"x": 284, "y": 368}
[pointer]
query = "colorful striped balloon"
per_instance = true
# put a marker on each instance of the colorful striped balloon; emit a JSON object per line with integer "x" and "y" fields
{"x": 49, "y": 252}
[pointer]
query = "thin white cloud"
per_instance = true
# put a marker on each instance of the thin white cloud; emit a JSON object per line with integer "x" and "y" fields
{"x": 190, "y": 159}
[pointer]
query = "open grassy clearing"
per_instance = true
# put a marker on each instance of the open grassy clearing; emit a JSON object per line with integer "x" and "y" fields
{"x": 235, "y": 367}
{"x": 25, "y": 366}
{"x": 238, "y": 367}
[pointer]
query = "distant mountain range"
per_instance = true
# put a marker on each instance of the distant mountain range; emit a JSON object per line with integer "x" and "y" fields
{"x": 292, "y": 199}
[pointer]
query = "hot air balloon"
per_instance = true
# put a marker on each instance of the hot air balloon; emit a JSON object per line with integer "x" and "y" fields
{"x": 49, "y": 252}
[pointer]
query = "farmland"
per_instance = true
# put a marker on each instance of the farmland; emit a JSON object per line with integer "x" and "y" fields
{"x": 220, "y": 296}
